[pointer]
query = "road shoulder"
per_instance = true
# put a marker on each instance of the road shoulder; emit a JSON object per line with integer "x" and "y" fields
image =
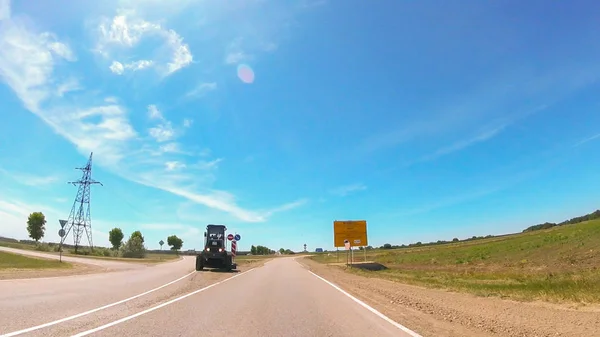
{"x": 434, "y": 312}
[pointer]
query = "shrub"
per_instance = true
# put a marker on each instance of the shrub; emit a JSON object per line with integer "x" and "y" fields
{"x": 134, "y": 248}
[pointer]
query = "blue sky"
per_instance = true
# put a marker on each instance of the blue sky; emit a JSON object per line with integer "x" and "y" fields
{"x": 430, "y": 120}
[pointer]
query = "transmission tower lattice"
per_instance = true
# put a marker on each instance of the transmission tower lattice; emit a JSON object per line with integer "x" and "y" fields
{"x": 80, "y": 220}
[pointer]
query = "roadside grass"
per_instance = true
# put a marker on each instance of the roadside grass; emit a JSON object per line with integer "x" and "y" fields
{"x": 149, "y": 258}
{"x": 15, "y": 261}
{"x": 98, "y": 253}
{"x": 247, "y": 259}
{"x": 561, "y": 264}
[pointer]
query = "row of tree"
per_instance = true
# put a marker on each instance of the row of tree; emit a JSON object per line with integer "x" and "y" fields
{"x": 286, "y": 251}
{"x": 591, "y": 216}
{"x": 261, "y": 250}
{"x": 133, "y": 247}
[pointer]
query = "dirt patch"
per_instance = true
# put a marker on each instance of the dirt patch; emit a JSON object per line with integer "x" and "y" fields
{"x": 76, "y": 269}
{"x": 433, "y": 312}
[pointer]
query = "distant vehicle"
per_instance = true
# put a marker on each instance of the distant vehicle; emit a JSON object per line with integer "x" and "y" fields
{"x": 214, "y": 254}
{"x": 319, "y": 250}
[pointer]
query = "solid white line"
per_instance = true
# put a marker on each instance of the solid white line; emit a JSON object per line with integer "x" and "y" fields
{"x": 45, "y": 325}
{"x": 124, "y": 319}
{"x": 371, "y": 309}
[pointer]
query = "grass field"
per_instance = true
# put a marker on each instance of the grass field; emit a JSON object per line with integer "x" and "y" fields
{"x": 561, "y": 264}
{"x": 16, "y": 261}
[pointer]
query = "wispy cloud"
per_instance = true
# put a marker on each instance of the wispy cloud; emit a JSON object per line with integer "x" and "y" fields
{"x": 201, "y": 89}
{"x": 586, "y": 140}
{"x": 464, "y": 143}
{"x": 126, "y": 30}
{"x": 4, "y": 9}
{"x": 31, "y": 64}
{"x": 348, "y": 189}
{"x": 30, "y": 179}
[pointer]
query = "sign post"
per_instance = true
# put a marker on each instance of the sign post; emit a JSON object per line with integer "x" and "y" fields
{"x": 347, "y": 246}
{"x": 233, "y": 250}
{"x": 350, "y": 233}
{"x": 161, "y": 243}
{"x": 61, "y": 233}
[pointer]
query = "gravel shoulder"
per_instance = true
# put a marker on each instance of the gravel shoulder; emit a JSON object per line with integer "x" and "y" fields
{"x": 433, "y": 312}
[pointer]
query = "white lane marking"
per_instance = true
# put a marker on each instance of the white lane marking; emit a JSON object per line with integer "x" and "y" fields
{"x": 125, "y": 319}
{"x": 45, "y": 325}
{"x": 368, "y": 307}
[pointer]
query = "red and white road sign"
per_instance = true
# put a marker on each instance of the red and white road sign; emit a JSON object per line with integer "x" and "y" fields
{"x": 230, "y": 237}
{"x": 233, "y": 248}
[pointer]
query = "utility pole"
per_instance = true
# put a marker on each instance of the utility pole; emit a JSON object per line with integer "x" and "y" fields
{"x": 80, "y": 220}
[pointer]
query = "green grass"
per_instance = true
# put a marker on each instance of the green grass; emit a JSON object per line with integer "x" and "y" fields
{"x": 559, "y": 265}
{"x": 16, "y": 261}
{"x": 98, "y": 253}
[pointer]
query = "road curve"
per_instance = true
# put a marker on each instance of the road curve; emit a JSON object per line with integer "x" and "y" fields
{"x": 26, "y": 303}
{"x": 108, "y": 264}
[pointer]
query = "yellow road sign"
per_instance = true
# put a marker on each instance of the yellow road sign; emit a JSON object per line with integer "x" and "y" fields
{"x": 354, "y": 231}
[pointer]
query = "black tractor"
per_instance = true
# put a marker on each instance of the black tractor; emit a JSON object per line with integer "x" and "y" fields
{"x": 215, "y": 254}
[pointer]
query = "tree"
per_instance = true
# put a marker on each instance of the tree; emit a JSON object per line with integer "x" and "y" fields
{"x": 134, "y": 247}
{"x": 115, "y": 236}
{"x": 455, "y": 240}
{"x": 36, "y": 225}
{"x": 174, "y": 242}
{"x": 253, "y": 250}
{"x": 387, "y": 246}
{"x": 281, "y": 251}
{"x": 138, "y": 234}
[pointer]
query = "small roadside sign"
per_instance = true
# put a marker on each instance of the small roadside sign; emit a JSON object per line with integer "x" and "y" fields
{"x": 233, "y": 248}
{"x": 230, "y": 237}
{"x": 161, "y": 242}
{"x": 238, "y": 237}
{"x": 62, "y": 223}
{"x": 61, "y": 232}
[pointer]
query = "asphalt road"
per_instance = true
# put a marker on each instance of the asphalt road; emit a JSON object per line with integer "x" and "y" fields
{"x": 280, "y": 298}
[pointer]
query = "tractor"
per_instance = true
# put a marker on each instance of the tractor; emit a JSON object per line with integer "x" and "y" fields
{"x": 215, "y": 254}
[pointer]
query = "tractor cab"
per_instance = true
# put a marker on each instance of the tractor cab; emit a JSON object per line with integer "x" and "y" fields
{"x": 214, "y": 254}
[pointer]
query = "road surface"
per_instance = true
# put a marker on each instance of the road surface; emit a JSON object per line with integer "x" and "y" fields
{"x": 281, "y": 298}
{"x": 108, "y": 264}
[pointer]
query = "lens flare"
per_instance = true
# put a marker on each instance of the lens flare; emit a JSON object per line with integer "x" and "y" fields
{"x": 245, "y": 73}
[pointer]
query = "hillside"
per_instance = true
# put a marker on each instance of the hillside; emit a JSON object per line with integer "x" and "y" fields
{"x": 556, "y": 264}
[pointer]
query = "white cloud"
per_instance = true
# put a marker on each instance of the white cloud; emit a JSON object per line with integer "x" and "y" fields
{"x": 154, "y": 113}
{"x": 4, "y": 9}
{"x": 589, "y": 139}
{"x": 68, "y": 86}
{"x": 236, "y": 57}
{"x": 347, "y": 189}
{"x": 14, "y": 214}
{"x": 126, "y": 30}
{"x": 162, "y": 132}
{"x": 174, "y": 165}
{"x": 28, "y": 62}
{"x": 117, "y": 68}
{"x": 29, "y": 179}
{"x": 187, "y": 123}
{"x": 201, "y": 89}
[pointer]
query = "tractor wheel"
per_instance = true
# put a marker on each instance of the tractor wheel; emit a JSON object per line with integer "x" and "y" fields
{"x": 199, "y": 263}
{"x": 228, "y": 264}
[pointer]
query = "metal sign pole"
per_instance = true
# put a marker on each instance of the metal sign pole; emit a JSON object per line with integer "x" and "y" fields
{"x": 365, "y": 249}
